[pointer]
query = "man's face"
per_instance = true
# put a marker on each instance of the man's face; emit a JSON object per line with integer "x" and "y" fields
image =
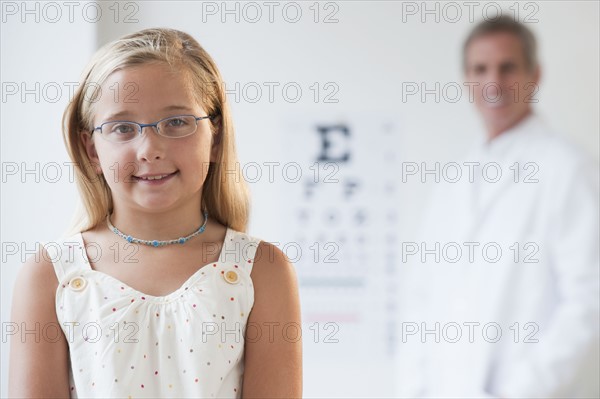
{"x": 503, "y": 84}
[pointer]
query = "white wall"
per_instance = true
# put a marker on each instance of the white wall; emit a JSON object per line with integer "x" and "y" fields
{"x": 41, "y": 54}
{"x": 367, "y": 55}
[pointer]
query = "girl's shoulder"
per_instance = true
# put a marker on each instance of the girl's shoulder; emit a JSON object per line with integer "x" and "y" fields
{"x": 63, "y": 253}
{"x": 270, "y": 265}
{"x": 38, "y": 269}
{"x": 263, "y": 259}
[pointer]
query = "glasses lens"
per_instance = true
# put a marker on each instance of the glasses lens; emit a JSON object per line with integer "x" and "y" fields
{"x": 177, "y": 126}
{"x": 120, "y": 132}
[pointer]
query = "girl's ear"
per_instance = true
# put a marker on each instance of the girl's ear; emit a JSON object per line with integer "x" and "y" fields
{"x": 90, "y": 149}
{"x": 216, "y": 138}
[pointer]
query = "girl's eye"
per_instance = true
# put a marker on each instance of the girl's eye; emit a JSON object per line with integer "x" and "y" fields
{"x": 177, "y": 122}
{"x": 122, "y": 128}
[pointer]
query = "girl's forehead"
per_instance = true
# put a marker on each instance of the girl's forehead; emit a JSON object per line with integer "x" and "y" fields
{"x": 147, "y": 88}
{"x": 149, "y": 77}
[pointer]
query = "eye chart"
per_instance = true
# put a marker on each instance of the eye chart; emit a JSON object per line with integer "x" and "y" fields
{"x": 345, "y": 218}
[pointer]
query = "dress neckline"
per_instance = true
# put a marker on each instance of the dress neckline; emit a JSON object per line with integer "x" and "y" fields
{"x": 161, "y": 298}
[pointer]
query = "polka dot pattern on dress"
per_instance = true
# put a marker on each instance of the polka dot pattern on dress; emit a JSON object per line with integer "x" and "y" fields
{"x": 144, "y": 345}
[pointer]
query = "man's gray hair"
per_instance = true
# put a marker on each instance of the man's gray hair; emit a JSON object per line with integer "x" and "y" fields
{"x": 505, "y": 24}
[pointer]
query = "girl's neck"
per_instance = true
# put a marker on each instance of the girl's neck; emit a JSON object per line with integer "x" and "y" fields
{"x": 158, "y": 226}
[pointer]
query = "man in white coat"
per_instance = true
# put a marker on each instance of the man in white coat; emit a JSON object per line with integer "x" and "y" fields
{"x": 500, "y": 291}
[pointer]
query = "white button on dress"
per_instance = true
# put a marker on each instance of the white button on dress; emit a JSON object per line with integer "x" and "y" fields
{"x": 231, "y": 277}
{"x": 77, "y": 283}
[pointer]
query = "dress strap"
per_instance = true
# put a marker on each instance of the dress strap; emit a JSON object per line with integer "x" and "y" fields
{"x": 66, "y": 255}
{"x": 240, "y": 248}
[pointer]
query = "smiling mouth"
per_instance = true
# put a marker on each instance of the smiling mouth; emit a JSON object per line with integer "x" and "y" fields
{"x": 154, "y": 178}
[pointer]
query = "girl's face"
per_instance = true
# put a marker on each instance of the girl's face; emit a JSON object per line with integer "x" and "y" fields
{"x": 147, "y": 94}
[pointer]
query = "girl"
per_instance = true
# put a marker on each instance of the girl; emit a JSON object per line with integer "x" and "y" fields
{"x": 157, "y": 291}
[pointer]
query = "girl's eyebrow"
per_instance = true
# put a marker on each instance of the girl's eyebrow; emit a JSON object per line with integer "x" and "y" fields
{"x": 116, "y": 115}
{"x": 124, "y": 113}
{"x": 177, "y": 107}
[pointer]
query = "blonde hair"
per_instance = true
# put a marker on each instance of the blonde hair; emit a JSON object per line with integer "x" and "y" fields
{"x": 225, "y": 194}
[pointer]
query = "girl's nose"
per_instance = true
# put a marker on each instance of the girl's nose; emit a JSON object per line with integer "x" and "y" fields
{"x": 151, "y": 145}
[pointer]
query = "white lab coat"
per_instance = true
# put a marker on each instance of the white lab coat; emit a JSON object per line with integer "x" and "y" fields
{"x": 559, "y": 294}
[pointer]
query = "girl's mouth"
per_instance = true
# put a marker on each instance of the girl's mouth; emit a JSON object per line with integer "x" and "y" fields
{"x": 155, "y": 180}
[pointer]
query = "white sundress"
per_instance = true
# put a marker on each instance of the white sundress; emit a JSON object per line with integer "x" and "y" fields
{"x": 124, "y": 343}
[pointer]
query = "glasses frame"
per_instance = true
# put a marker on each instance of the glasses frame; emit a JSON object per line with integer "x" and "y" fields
{"x": 141, "y": 127}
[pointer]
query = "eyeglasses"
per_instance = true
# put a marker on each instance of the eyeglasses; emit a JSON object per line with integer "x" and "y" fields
{"x": 172, "y": 127}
